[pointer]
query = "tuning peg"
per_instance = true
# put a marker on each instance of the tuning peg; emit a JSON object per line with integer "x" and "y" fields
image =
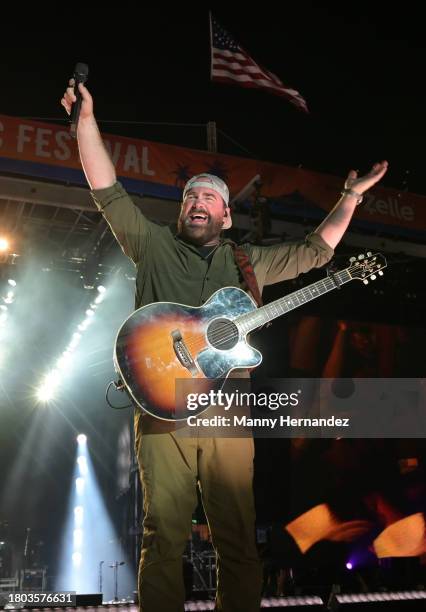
{"x": 352, "y": 259}
{"x": 365, "y": 281}
{"x": 361, "y": 256}
{"x": 369, "y": 254}
{"x": 373, "y": 277}
{"x": 380, "y": 272}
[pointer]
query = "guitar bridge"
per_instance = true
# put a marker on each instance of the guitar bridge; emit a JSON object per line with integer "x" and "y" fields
{"x": 182, "y": 353}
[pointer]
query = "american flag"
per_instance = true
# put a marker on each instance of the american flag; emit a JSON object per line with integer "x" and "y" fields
{"x": 231, "y": 64}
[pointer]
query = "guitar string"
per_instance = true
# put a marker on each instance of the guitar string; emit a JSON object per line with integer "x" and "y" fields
{"x": 222, "y": 335}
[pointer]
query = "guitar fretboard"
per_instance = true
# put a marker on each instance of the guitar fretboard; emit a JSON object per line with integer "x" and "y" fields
{"x": 252, "y": 320}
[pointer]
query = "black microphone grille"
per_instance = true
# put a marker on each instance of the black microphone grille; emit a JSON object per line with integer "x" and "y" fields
{"x": 81, "y": 69}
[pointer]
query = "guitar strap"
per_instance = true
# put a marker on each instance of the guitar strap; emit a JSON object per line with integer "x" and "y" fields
{"x": 246, "y": 268}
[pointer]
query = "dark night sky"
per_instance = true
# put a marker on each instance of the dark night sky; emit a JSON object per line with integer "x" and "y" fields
{"x": 360, "y": 67}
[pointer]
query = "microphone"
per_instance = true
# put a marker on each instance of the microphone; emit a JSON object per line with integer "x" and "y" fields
{"x": 81, "y": 72}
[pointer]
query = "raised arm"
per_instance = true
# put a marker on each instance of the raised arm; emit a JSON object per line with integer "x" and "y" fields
{"x": 335, "y": 224}
{"x": 96, "y": 162}
{"x": 126, "y": 220}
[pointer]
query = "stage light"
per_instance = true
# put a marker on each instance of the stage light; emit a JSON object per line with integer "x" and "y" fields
{"x": 379, "y": 601}
{"x": 12, "y": 282}
{"x": 46, "y": 391}
{"x": 349, "y": 565}
{"x": 64, "y": 361}
{"x": 52, "y": 378}
{"x": 84, "y": 325}
{"x": 44, "y": 394}
{"x": 10, "y": 297}
{"x": 101, "y": 296}
{"x": 52, "y": 382}
{"x": 76, "y": 558}
{"x": 4, "y": 245}
{"x": 278, "y": 603}
{"x": 76, "y": 337}
{"x": 89, "y": 536}
{"x": 78, "y": 538}
{"x": 78, "y": 516}
{"x": 81, "y": 439}
{"x": 199, "y": 606}
{"x": 79, "y": 485}
{"x": 82, "y": 465}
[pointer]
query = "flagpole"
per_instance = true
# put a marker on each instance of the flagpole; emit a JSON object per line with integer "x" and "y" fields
{"x": 211, "y": 137}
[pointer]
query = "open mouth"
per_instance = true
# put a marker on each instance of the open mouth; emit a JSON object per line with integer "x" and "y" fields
{"x": 198, "y": 218}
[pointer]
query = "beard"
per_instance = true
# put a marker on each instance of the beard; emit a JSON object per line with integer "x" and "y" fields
{"x": 199, "y": 234}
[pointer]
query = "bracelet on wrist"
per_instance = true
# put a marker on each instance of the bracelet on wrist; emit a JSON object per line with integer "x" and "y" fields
{"x": 354, "y": 194}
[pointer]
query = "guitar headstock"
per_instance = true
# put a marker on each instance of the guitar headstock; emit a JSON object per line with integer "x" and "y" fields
{"x": 367, "y": 267}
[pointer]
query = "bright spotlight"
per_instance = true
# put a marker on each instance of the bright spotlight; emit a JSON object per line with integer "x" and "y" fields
{"x": 81, "y": 439}
{"x": 76, "y": 337}
{"x": 12, "y": 282}
{"x": 4, "y": 245}
{"x": 79, "y": 485}
{"x": 82, "y": 465}
{"x": 349, "y": 565}
{"x": 76, "y": 558}
{"x": 89, "y": 536}
{"x": 45, "y": 393}
{"x": 47, "y": 389}
{"x": 64, "y": 362}
{"x": 78, "y": 538}
{"x": 78, "y": 516}
{"x": 52, "y": 378}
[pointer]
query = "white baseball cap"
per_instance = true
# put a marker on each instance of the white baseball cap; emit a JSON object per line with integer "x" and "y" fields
{"x": 212, "y": 182}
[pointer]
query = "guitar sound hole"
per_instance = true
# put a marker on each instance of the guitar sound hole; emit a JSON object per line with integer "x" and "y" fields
{"x": 222, "y": 334}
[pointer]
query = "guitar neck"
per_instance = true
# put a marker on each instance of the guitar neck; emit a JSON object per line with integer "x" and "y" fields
{"x": 252, "y": 320}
